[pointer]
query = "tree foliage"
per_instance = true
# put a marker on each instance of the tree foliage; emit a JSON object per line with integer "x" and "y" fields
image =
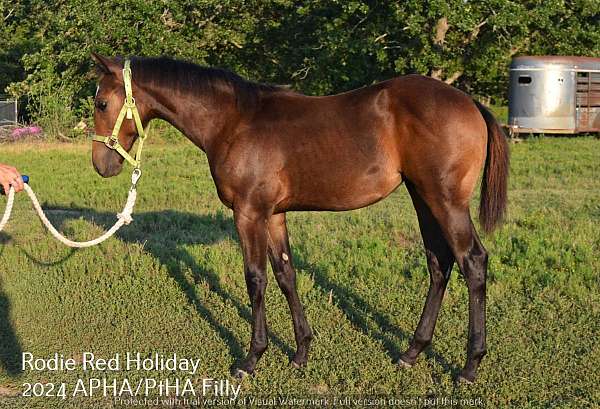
{"x": 317, "y": 47}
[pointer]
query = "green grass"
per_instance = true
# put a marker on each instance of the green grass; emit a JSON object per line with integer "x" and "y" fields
{"x": 172, "y": 281}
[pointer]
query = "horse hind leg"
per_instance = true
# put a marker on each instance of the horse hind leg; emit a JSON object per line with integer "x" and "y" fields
{"x": 455, "y": 223}
{"x": 439, "y": 262}
{"x": 473, "y": 262}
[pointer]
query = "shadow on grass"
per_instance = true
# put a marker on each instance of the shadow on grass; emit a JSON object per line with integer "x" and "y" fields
{"x": 164, "y": 235}
{"x": 10, "y": 346}
{"x": 359, "y": 312}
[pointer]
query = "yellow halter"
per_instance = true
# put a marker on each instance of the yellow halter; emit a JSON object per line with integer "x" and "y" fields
{"x": 129, "y": 111}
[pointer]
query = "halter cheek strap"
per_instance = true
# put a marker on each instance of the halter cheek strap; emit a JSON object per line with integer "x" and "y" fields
{"x": 128, "y": 111}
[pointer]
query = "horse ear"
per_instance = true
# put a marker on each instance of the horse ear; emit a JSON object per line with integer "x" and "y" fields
{"x": 106, "y": 65}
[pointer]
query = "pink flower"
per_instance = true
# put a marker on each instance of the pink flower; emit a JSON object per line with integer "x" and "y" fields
{"x": 25, "y": 131}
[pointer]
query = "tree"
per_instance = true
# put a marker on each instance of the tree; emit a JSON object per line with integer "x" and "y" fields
{"x": 318, "y": 47}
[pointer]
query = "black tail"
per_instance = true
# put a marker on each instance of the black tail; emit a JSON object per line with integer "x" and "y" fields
{"x": 492, "y": 206}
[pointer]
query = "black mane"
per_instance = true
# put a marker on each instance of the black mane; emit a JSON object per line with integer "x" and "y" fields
{"x": 189, "y": 78}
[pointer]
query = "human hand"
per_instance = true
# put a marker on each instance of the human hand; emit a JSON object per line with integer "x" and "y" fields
{"x": 10, "y": 176}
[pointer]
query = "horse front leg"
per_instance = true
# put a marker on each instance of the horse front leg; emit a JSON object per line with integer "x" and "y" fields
{"x": 280, "y": 255}
{"x": 252, "y": 231}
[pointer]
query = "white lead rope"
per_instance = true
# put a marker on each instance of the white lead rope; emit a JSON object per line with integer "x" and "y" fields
{"x": 122, "y": 218}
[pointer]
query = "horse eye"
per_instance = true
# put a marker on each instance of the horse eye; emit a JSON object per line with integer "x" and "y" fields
{"x": 101, "y": 105}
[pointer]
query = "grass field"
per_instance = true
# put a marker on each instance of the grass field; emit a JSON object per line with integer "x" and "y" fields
{"x": 172, "y": 281}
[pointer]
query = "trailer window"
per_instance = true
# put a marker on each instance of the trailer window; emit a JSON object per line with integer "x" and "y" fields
{"x": 524, "y": 80}
{"x": 588, "y": 89}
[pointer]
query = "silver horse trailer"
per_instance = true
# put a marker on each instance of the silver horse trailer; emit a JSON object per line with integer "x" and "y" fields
{"x": 554, "y": 94}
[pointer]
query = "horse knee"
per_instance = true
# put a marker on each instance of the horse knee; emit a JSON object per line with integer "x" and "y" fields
{"x": 286, "y": 279}
{"x": 256, "y": 282}
{"x": 260, "y": 345}
{"x": 284, "y": 273}
{"x": 286, "y": 287}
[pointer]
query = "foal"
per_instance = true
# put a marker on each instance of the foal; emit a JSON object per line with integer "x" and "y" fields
{"x": 271, "y": 151}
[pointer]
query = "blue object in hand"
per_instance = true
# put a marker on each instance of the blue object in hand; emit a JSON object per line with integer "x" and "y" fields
{"x": 25, "y": 180}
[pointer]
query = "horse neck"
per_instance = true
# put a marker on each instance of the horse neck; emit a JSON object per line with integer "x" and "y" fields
{"x": 203, "y": 119}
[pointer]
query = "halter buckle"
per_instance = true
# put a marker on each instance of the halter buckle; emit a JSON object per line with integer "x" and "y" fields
{"x": 112, "y": 142}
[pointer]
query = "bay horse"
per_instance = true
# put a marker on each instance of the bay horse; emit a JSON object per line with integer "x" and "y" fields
{"x": 272, "y": 150}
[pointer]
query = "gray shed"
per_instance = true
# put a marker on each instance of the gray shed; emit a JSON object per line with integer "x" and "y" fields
{"x": 8, "y": 111}
{"x": 554, "y": 94}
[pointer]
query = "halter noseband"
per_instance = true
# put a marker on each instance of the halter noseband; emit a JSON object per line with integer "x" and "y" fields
{"x": 129, "y": 111}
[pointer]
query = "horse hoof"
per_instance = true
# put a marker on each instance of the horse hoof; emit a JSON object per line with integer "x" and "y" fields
{"x": 296, "y": 365}
{"x": 239, "y": 373}
{"x": 461, "y": 380}
{"x": 404, "y": 364}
